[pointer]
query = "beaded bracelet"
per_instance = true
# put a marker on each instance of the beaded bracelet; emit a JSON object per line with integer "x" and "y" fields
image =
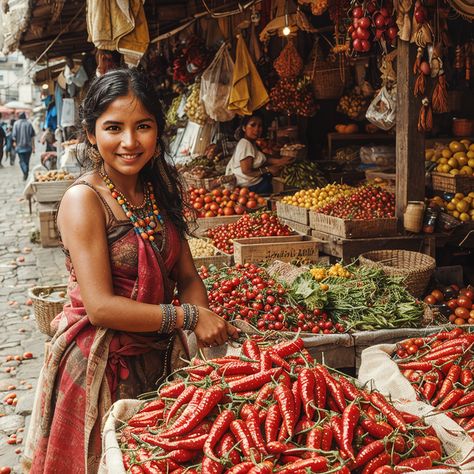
{"x": 187, "y": 315}
{"x": 169, "y": 317}
{"x": 194, "y": 317}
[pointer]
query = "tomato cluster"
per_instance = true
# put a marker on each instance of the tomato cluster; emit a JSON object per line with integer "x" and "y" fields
{"x": 223, "y": 202}
{"x": 454, "y": 303}
{"x": 259, "y": 224}
{"x": 369, "y": 202}
{"x": 247, "y": 292}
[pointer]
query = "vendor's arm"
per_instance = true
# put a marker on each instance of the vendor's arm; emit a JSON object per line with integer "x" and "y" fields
{"x": 81, "y": 220}
{"x": 247, "y": 168}
{"x": 280, "y": 162}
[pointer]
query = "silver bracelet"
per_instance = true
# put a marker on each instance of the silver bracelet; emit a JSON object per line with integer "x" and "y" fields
{"x": 194, "y": 318}
{"x": 187, "y": 309}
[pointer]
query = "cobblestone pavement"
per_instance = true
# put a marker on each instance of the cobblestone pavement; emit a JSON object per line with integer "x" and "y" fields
{"x": 22, "y": 265}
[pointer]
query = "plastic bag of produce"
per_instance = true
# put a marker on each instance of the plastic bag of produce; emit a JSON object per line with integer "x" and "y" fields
{"x": 379, "y": 370}
{"x": 378, "y": 155}
{"x": 382, "y": 111}
{"x": 216, "y": 84}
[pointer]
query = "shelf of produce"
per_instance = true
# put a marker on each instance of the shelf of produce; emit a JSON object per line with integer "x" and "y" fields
{"x": 269, "y": 249}
{"x": 352, "y": 228}
{"x": 293, "y": 213}
{"x": 358, "y": 137}
{"x": 348, "y": 249}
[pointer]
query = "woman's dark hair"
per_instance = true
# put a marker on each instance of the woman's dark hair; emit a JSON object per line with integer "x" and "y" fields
{"x": 239, "y": 133}
{"x": 119, "y": 83}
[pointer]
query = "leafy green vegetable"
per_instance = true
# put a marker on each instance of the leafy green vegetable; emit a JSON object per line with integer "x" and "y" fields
{"x": 306, "y": 290}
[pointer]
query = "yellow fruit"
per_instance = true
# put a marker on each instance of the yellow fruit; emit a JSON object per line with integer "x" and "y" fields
{"x": 461, "y": 157}
{"x": 454, "y": 172}
{"x": 453, "y": 162}
{"x": 468, "y": 199}
{"x": 459, "y": 196}
{"x": 470, "y": 162}
{"x": 464, "y": 216}
{"x": 429, "y": 154}
{"x": 443, "y": 161}
{"x": 462, "y": 206}
{"x": 445, "y": 153}
{"x": 456, "y": 214}
{"x": 471, "y": 212}
{"x": 471, "y": 194}
{"x": 445, "y": 168}
{"x": 466, "y": 170}
{"x": 471, "y": 147}
{"x": 455, "y": 146}
{"x": 451, "y": 206}
{"x": 466, "y": 142}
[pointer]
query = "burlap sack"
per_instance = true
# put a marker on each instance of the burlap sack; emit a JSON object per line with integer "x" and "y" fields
{"x": 378, "y": 370}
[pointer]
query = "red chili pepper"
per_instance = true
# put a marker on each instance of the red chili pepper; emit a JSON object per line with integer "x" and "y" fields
{"x": 172, "y": 390}
{"x": 428, "y": 443}
{"x": 320, "y": 389}
{"x": 384, "y": 470}
{"x": 351, "y": 392}
{"x": 286, "y": 348}
{"x": 226, "y": 449}
{"x": 466, "y": 399}
{"x": 199, "y": 372}
{"x": 210, "y": 398}
{"x": 314, "y": 441}
{"x": 243, "y": 437}
{"x": 272, "y": 423}
{"x": 253, "y": 426}
{"x": 334, "y": 387}
{"x": 464, "y": 411}
{"x": 368, "y": 453}
{"x": 379, "y": 461}
{"x": 238, "y": 368}
{"x": 279, "y": 361}
{"x": 264, "y": 395}
{"x": 209, "y": 466}
{"x": 450, "y": 399}
{"x": 376, "y": 429}
{"x": 423, "y": 366}
{"x": 414, "y": 464}
{"x": 295, "y": 390}
{"x": 286, "y": 402}
{"x": 181, "y": 455}
{"x": 146, "y": 418}
{"x": 255, "y": 381}
{"x": 451, "y": 378}
{"x": 219, "y": 427}
{"x": 336, "y": 426}
{"x": 469, "y": 425}
{"x": 307, "y": 382}
{"x": 317, "y": 464}
{"x": 250, "y": 349}
{"x": 466, "y": 377}
{"x": 153, "y": 405}
{"x": 428, "y": 390}
{"x": 194, "y": 443}
{"x": 242, "y": 468}
{"x": 266, "y": 467}
{"x": 277, "y": 447}
{"x": 265, "y": 361}
{"x": 392, "y": 414}
{"x": 350, "y": 417}
{"x": 326, "y": 441}
{"x": 183, "y": 398}
{"x": 443, "y": 353}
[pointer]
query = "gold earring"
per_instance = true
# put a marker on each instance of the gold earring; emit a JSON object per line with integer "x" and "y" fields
{"x": 93, "y": 154}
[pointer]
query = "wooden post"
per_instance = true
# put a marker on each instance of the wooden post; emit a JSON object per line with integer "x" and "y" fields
{"x": 410, "y": 144}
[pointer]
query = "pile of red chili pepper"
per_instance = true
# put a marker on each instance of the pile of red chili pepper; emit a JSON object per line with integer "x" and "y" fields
{"x": 441, "y": 370}
{"x": 273, "y": 410}
{"x": 258, "y": 224}
{"x": 248, "y": 292}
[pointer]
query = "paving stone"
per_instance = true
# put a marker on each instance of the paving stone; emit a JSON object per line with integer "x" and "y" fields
{"x": 9, "y": 424}
{"x": 25, "y": 403}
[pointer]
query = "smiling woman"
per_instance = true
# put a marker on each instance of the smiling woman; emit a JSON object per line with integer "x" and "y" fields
{"x": 123, "y": 233}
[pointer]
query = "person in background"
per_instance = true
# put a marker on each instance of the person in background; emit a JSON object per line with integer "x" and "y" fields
{"x": 23, "y": 136}
{"x": 251, "y": 167}
{"x": 3, "y": 137}
{"x": 9, "y": 148}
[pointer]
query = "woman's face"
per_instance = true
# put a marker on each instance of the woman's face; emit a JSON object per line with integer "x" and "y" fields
{"x": 253, "y": 129}
{"x": 126, "y": 135}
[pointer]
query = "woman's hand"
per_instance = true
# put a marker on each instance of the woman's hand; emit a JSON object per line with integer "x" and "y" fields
{"x": 273, "y": 169}
{"x": 212, "y": 330}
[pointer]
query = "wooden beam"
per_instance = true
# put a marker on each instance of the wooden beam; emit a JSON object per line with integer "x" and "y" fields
{"x": 410, "y": 144}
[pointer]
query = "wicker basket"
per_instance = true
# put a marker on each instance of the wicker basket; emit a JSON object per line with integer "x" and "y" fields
{"x": 45, "y": 310}
{"x": 452, "y": 184}
{"x": 328, "y": 78}
{"x": 415, "y": 267}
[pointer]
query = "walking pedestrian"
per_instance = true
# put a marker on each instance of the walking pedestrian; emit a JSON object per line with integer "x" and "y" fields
{"x": 123, "y": 233}
{"x": 3, "y": 137}
{"x": 23, "y": 136}
{"x": 9, "y": 148}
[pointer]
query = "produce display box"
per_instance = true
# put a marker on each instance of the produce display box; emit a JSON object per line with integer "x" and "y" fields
{"x": 352, "y": 228}
{"x": 279, "y": 186}
{"x": 49, "y": 236}
{"x": 205, "y": 223}
{"x": 452, "y": 184}
{"x": 219, "y": 260}
{"x": 284, "y": 248}
{"x": 292, "y": 213}
{"x": 210, "y": 183}
{"x": 348, "y": 249}
{"x": 296, "y": 226}
{"x": 50, "y": 191}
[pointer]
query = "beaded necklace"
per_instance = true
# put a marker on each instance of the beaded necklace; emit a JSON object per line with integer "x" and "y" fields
{"x": 146, "y": 217}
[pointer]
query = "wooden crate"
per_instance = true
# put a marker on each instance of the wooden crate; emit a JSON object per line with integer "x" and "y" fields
{"x": 210, "y": 183}
{"x": 285, "y": 248}
{"x": 296, "y": 226}
{"x": 348, "y": 249}
{"x": 219, "y": 260}
{"x": 292, "y": 213}
{"x": 279, "y": 186}
{"x": 205, "y": 223}
{"x": 352, "y": 228}
{"x": 452, "y": 184}
{"x": 49, "y": 236}
{"x": 50, "y": 191}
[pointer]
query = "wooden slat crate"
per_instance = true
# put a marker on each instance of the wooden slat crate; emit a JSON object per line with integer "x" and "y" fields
{"x": 50, "y": 191}
{"x": 296, "y": 226}
{"x": 49, "y": 236}
{"x": 293, "y": 213}
{"x": 280, "y": 186}
{"x": 452, "y": 184}
{"x": 205, "y": 223}
{"x": 352, "y": 228}
{"x": 219, "y": 260}
{"x": 284, "y": 248}
{"x": 210, "y": 183}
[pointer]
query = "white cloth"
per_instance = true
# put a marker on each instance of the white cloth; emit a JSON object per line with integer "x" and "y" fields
{"x": 68, "y": 116}
{"x": 244, "y": 149}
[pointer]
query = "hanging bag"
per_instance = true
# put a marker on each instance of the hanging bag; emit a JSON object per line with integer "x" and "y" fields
{"x": 382, "y": 111}
{"x": 216, "y": 84}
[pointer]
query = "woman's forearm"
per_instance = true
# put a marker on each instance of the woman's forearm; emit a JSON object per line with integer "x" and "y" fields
{"x": 193, "y": 292}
